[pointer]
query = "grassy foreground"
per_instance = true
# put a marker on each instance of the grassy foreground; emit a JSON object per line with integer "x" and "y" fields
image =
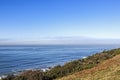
{"x": 108, "y": 70}
{"x": 77, "y": 68}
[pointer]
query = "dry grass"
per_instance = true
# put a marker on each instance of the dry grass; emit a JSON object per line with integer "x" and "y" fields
{"x": 108, "y": 70}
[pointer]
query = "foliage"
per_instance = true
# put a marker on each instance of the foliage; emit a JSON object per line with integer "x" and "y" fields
{"x": 29, "y": 75}
{"x": 107, "y": 70}
{"x": 68, "y": 68}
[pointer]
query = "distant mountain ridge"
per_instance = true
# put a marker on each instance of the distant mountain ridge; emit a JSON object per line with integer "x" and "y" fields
{"x": 61, "y": 40}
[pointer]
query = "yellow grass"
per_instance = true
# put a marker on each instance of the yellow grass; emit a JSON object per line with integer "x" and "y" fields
{"x": 108, "y": 70}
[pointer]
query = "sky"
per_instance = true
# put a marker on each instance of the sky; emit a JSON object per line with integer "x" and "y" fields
{"x": 59, "y": 21}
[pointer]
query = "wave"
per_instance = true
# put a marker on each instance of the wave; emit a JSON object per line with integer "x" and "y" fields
{"x": 3, "y": 76}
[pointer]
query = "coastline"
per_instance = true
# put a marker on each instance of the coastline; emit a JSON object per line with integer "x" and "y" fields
{"x": 22, "y": 71}
{"x": 68, "y": 68}
{"x": 36, "y": 69}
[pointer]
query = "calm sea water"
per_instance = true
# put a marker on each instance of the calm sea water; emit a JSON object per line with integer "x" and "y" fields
{"x": 17, "y": 58}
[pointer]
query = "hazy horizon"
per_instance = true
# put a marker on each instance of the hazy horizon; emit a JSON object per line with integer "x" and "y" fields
{"x": 61, "y": 41}
{"x": 59, "y": 22}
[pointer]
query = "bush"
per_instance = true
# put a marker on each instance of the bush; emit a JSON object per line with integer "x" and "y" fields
{"x": 68, "y": 68}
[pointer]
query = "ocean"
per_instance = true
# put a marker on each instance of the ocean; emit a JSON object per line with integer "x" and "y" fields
{"x": 24, "y": 57}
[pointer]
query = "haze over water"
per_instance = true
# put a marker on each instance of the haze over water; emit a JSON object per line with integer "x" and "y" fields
{"x": 59, "y": 23}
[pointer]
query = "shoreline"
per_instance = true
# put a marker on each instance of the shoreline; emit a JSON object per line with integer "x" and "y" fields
{"x": 34, "y": 69}
{"x": 68, "y": 68}
{"x": 22, "y": 71}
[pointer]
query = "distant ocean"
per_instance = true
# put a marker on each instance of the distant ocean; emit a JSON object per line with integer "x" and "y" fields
{"x": 18, "y": 58}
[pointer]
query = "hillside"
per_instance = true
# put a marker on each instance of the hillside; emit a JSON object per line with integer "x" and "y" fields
{"x": 108, "y": 70}
{"x": 100, "y": 65}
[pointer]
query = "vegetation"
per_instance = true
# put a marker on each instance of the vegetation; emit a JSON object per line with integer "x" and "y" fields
{"x": 68, "y": 68}
{"x": 107, "y": 70}
{"x": 28, "y": 75}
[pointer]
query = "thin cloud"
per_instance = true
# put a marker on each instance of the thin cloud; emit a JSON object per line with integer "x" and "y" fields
{"x": 60, "y": 40}
{"x": 4, "y": 39}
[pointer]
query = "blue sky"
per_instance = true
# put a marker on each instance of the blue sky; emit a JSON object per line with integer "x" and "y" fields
{"x": 59, "y": 21}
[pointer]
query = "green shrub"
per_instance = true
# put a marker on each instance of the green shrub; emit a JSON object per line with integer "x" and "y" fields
{"x": 68, "y": 68}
